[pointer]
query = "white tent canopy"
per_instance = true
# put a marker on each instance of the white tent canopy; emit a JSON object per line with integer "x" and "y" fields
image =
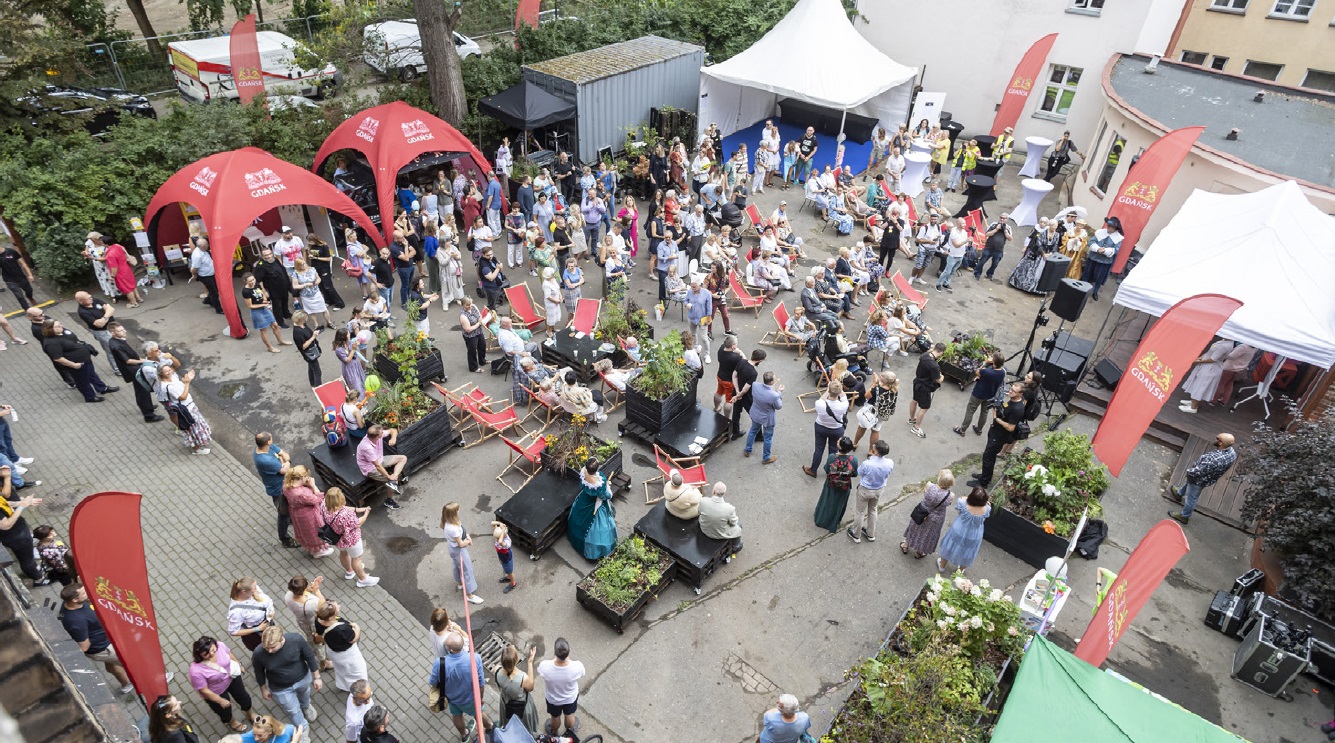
{"x": 815, "y": 55}
{"x": 1272, "y": 250}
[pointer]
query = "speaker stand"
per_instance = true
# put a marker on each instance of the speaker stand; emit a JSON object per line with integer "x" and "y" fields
{"x": 1049, "y": 399}
{"x": 1026, "y": 355}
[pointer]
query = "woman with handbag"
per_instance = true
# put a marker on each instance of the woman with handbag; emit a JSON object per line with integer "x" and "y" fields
{"x": 840, "y": 469}
{"x": 831, "y": 422}
{"x": 249, "y": 613}
{"x": 303, "y": 599}
{"x": 218, "y": 679}
{"x": 189, "y": 421}
{"x": 308, "y": 345}
{"x": 358, "y": 263}
{"x": 121, "y": 265}
{"x": 451, "y": 274}
{"x": 880, "y": 407}
{"x": 927, "y": 518}
{"x": 303, "y": 506}
{"x": 339, "y": 637}
{"x": 340, "y": 520}
{"x": 517, "y": 688}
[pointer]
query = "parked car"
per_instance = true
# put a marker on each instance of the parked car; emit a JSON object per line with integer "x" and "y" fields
{"x": 394, "y": 48}
{"x": 103, "y": 107}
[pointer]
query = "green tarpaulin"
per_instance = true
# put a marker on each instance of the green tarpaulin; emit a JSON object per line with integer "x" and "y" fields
{"x": 1057, "y": 697}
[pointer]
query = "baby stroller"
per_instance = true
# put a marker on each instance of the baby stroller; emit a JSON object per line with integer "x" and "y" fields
{"x": 815, "y": 349}
{"x": 515, "y": 732}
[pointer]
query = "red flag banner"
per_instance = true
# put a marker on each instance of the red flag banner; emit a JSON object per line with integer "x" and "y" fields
{"x": 527, "y": 13}
{"x": 1146, "y": 183}
{"x": 247, "y": 70}
{"x": 108, "y": 546}
{"x": 1027, "y": 75}
{"x": 1144, "y": 570}
{"x": 1156, "y": 368}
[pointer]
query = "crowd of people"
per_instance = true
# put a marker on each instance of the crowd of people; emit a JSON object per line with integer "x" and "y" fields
{"x": 565, "y": 225}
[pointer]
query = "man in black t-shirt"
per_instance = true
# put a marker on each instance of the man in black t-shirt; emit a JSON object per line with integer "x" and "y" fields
{"x": 743, "y": 376}
{"x": 96, "y": 314}
{"x": 925, "y": 382}
{"x": 561, "y": 239}
{"x": 270, "y": 273}
{"x": 67, "y": 350}
{"x": 128, "y": 361}
{"x": 806, "y": 153}
{"x": 563, "y": 171}
{"x": 84, "y": 628}
{"x": 728, "y": 358}
{"x": 382, "y": 270}
{"x": 17, "y": 276}
{"x": 1002, "y": 432}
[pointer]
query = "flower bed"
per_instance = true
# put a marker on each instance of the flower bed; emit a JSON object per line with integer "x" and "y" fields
{"x": 965, "y": 354}
{"x": 1042, "y": 496}
{"x": 625, "y": 581}
{"x": 944, "y": 665}
{"x": 664, "y": 388}
{"x": 567, "y": 451}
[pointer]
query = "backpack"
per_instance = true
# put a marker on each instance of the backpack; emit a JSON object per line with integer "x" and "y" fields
{"x": 335, "y": 432}
{"x": 841, "y": 473}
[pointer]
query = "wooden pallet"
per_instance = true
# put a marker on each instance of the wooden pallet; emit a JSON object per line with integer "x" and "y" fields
{"x": 1221, "y": 501}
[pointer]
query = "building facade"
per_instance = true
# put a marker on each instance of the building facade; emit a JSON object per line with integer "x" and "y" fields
{"x": 973, "y": 47}
{"x": 1291, "y": 42}
{"x": 1288, "y": 135}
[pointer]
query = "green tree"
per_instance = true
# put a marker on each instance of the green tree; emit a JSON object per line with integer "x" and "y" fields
{"x": 1291, "y": 498}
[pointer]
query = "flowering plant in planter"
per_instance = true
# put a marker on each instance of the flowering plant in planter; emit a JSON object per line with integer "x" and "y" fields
{"x": 572, "y": 447}
{"x": 1053, "y": 487}
{"x": 403, "y": 402}
{"x": 621, "y": 317}
{"x": 978, "y": 618}
{"x": 664, "y": 371}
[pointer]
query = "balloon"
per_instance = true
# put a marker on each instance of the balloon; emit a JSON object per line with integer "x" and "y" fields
{"x": 372, "y": 383}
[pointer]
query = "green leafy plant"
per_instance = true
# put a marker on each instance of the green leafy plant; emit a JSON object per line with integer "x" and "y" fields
{"x": 571, "y": 448}
{"x": 631, "y": 569}
{"x": 969, "y": 351}
{"x": 400, "y": 404}
{"x": 1292, "y": 500}
{"x": 664, "y": 368}
{"x": 1053, "y": 487}
{"x": 621, "y": 317}
{"x": 980, "y": 619}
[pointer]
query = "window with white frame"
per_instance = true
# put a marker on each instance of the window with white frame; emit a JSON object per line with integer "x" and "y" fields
{"x": 1236, "y": 6}
{"x": 1263, "y": 70}
{"x": 1059, "y": 91}
{"x": 1320, "y": 80}
{"x": 1098, "y": 140}
{"x": 1193, "y": 57}
{"x": 1088, "y": 7}
{"x": 1218, "y": 62}
{"x": 1296, "y": 9}
{"x": 1110, "y": 161}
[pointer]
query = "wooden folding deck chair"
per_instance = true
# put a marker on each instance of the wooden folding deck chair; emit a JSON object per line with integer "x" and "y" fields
{"x": 495, "y": 421}
{"x": 756, "y": 223}
{"x": 692, "y": 473}
{"x": 905, "y": 291}
{"x": 522, "y": 309}
{"x": 585, "y": 319}
{"x": 780, "y": 337}
{"x": 332, "y": 395}
{"x": 459, "y": 414}
{"x": 743, "y": 299}
{"x": 522, "y": 451}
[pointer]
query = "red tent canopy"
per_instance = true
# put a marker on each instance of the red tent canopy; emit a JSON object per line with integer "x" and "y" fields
{"x": 391, "y": 136}
{"x": 231, "y": 189}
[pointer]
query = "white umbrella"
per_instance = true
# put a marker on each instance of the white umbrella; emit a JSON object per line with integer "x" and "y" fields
{"x": 1079, "y": 211}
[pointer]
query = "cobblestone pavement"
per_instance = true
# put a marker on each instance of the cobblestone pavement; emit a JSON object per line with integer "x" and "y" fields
{"x": 206, "y": 521}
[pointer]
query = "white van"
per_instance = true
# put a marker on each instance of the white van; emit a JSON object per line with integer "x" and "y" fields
{"x": 394, "y": 48}
{"x": 203, "y": 69}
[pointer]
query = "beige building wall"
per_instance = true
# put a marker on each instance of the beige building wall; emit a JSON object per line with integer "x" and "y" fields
{"x": 1229, "y": 33}
{"x": 1203, "y": 169}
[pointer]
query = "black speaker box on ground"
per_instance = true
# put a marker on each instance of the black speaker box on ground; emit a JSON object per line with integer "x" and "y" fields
{"x": 1061, "y": 371}
{"x": 1054, "y": 270}
{"x": 1108, "y": 373}
{"x": 1070, "y": 299}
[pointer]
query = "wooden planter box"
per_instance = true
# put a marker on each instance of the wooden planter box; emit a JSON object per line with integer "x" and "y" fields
{"x": 1022, "y": 538}
{"x": 429, "y": 367}
{"x": 610, "y": 468}
{"x": 654, "y": 415}
{"x": 957, "y": 374}
{"x": 620, "y": 620}
{"x": 426, "y": 438}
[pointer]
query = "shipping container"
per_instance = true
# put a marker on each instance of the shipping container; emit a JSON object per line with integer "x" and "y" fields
{"x": 613, "y": 87}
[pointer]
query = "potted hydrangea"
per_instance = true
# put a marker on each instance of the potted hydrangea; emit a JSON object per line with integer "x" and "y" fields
{"x": 625, "y": 581}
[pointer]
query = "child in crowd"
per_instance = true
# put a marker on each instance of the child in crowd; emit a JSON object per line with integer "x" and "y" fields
{"x": 54, "y": 555}
{"x": 501, "y": 534}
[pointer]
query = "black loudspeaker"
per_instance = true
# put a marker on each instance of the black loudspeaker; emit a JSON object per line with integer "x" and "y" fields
{"x": 1069, "y": 301}
{"x": 1061, "y": 371}
{"x": 1054, "y": 270}
{"x": 1108, "y": 373}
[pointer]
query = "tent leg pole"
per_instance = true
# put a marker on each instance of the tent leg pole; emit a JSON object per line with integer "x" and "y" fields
{"x": 1089, "y": 363}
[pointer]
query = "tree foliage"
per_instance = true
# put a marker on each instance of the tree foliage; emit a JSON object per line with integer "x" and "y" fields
{"x": 1291, "y": 497}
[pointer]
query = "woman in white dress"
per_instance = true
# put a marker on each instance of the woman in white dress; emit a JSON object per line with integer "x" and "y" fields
{"x": 451, "y": 273}
{"x": 306, "y": 285}
{"x": 551, "y": 299}
{"x": 339, "y": 637}
{"x": 1204, "y": 378}
{"x": 96, "y": 251}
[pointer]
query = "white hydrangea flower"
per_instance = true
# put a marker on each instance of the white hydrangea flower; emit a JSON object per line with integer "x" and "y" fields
{"x": 982, "y": 583}
{"x": 976, "y": 621}
{"x": 1051, "y": 490}
{"x": 1012, "y": 631}
{"x": 975, "y": 591}
{"x": 963, "y": 626}
{"x": 1008, "y": 598}
{"x": 995, "y": 595}
{"x": 948, "y": 610}
{"x": 963, "y": 584}
{"x": 943, "y": 624}
{"x": 932, "y": 597}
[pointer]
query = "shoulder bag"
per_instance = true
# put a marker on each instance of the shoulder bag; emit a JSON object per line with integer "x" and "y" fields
{"x": 435, "y": 695}
{"x": 328, "y": 534}
{"x": 921, "y": 511}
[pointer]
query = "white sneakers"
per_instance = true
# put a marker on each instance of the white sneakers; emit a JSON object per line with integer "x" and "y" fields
{"x": 326, "y": 552}
{"x": 26, "y": 460}
{"x": 474, "y": 599}
{"x": 349, "y": 575}
{"x": 707, "y": 359}
{"x": 371, "y": 580}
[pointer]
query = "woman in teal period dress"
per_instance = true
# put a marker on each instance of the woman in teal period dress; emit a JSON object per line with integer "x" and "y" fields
{"x": 592, "y": 527}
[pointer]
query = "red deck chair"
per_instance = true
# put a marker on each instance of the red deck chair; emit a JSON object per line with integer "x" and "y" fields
{"x": 456, "y": 397}
{"x": 743, "y": 299}
{"x": 974, "y": 220}
{"x": 522, "y": 451}
{"x": 496, "y": 422}
{"x": 585, "y": 318}
{"x": 913, "y": 211}
{"x": 757, "y": 223}
{"x": 692, "y": 472}
{"x": 538, "y": 405}
{"x": 780, "y": 337}
{"x": 332, "y": 395}
{"x": 612, "y": 397}
{"x": 521, "y": 307}
{"x": 906, "y": 291}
